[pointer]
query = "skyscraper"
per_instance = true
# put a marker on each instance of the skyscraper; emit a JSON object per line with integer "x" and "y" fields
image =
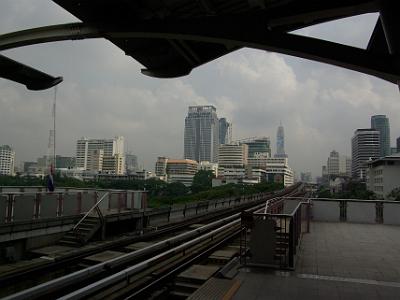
{"x": 333, "y": 163}
{"x": 201, "y": 138}
{"x": 225, "y": 131}
{"x": 364, "y": 145}
{"x": 381, "y": 123}
{"x": 280, "y": 142}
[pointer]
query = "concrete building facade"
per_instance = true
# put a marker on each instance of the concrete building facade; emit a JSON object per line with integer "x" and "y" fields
{"x": 383, "y": 175}
{"x": 278, "y": 171}
{"x": 111, "y": 150}
{"x": 364, "y": 146}
{"x": 181, "y": 170}
{"x": 201, "y": 136}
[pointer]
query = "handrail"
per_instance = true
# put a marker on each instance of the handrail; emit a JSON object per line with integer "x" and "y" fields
{"x": 90, "y": 210}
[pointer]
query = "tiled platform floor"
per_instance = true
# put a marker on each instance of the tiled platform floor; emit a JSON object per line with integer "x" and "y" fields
{"x": 336, "y": 261}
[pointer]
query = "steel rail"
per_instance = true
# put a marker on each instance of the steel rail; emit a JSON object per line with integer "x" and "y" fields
{"x": 126, "y": 273}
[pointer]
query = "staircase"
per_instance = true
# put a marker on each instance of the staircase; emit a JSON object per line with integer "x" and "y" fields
{"x": 82, "y": 233}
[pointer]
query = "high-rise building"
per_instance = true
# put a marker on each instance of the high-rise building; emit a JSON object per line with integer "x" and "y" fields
{"x": 112, "y": 153}
{"x": 381, "y": 123}
{"x": 7, "y": 160}
{"x": 333, "y": 163}
{"x": 306, "y": 177}
{"x": 338, "y": 165}
{"x": 280, "y": 143}
{"x": 201, "y": 139}
{"x": 364, "y": 146}
{"x": 278, "y": 171}
{"x": 131, "y": 163}
{"x": 225, "y": 131}
{"x": 161, "y": 167}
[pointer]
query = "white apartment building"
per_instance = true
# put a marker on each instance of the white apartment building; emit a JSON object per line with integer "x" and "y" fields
{"x": 111, "y": 150}
{"x": 383, "y": 175}
{"x": 7, "y": 160}
{"x": 232, "y": 160}
{"x": 208, "y": 166}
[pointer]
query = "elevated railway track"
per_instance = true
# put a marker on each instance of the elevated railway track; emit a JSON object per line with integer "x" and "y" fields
{"x": 139, "y": 272}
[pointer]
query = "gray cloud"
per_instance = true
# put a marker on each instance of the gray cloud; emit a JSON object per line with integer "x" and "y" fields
{"x": 104, "y": 95}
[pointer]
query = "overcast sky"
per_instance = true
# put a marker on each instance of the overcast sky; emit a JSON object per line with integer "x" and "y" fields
{"x": 104, "y": 94}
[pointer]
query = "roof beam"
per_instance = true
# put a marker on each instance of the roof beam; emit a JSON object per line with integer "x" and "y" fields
{"x": 70, "y": 31}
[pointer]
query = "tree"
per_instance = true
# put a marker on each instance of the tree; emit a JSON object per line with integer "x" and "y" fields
{"x": 394, "y": 194}
{"x": 176, "y": 189}
{"x": 202, "y": 181}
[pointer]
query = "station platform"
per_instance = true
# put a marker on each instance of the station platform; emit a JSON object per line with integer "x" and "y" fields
{"x": 336, "y": 261}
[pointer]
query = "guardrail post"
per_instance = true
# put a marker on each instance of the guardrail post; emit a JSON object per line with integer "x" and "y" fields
{"x": 379, "y": 212}
{"x": 10, "y": 208}
{"x": 60, "y": 205}
{"x": 184, "y": 211}
{"x": 343, "y": 210}
{"x": 36, "y": 206}
{"x": 291, "y": 243}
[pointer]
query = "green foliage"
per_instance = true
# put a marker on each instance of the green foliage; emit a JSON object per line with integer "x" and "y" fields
{"x": 202, "y": 181}
{"x": 394, "y": 194}
{"x": 352, "y": 190}
{"x": 160, "y": 193}
{"x": 225, "y": 191}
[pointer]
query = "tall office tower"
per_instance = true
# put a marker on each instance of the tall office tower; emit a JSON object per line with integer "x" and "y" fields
{"x": 381, "y": 123}
{"x": 364, "y": 146}
{"x": 333, "y": 163}
{"x": 161, "y": 167}
{"x": 225, "y": 131}
{"x": 112, "y": 153}
{"x": 201, "y": 139}
{"x": 131, "y": 163}
{"x": 7, "y": 160}
{"x": 280, "y": 142}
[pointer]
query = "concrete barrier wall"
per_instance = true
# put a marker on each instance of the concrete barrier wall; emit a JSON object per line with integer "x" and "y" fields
{"x": 70, "y": 204}
{"x": 24, "y": 207}
{"x": 3, "y": 208}
{"x": 391, "y": 213}
{"x": 328, "y": 211}
{"x": 88, "y": 200}
{"x": 48, "y": 206}
{"x": 359, "y": 212}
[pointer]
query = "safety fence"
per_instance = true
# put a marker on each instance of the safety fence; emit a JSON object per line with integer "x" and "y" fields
{"x": 32, "y": 205}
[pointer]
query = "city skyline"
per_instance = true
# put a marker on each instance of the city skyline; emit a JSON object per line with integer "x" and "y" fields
{"x": 104, "y": 95}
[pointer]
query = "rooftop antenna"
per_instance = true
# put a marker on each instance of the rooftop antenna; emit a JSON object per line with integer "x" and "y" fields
{"x": 52, "y": 146}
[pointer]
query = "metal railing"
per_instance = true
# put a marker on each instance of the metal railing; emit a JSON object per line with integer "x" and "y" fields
{"x": 288, "y": 228}
{"x": 94, "y": 207}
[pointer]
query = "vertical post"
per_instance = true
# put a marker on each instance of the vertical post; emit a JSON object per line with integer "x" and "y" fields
{"x": 379, "y": 212}
{"x": 10, "y": 208}
{"x": 38, "y": 202}
{"x": 291, "y": 243}
{"x": 308, "y": 216}
{"x": 60, "y": 205}
{"x": 79, "y": 203}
